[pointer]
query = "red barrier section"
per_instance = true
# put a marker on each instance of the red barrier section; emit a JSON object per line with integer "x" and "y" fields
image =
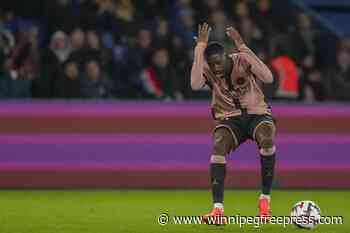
{"x": 184, "y": 178}
{"x": 164, "y": 124}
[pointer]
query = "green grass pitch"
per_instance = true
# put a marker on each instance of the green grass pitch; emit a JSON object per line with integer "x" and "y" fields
{"x": 136, "y": 211}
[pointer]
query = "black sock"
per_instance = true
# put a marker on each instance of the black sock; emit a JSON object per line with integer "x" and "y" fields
{"x": 267, "y": 172}
{"x": 218, "y": 174}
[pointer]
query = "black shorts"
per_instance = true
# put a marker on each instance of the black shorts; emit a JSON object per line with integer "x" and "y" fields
{"x": 243, "y": 126}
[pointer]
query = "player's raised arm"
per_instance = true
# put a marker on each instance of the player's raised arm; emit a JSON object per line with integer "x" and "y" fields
{"x": 197, "y": 77}
{"x": 258, "y": 67}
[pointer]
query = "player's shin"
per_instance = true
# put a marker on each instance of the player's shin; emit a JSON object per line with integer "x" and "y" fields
{"x": 267, "y": 159}
{"x": 218, "y": 174}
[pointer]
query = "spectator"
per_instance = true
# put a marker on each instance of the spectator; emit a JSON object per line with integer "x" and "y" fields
{"x": 95, "y": 51}
{"x": 25, "y": 64}
{"x": 159, "y": 79}
{"x": 184, "y": 26}
{"x": 314, "y": 89}
{"x": 6, "y": 91}
{"x": 180, "y": 5}
{"x": 125, "y": 11}
{"x": 126, "y": 17}
{"x": 219, "y": 24}
{"x": 95, "y": 84}
{"x": 55, "y": 56}
{"x": 12, "y": 84}
{"x": 251, "y": 34}
{"x": 78, "y": 46}
{"x": 207, "y": 8}
{"x": 77, "y": 38}
{"x": 140, "y": 53}
{"x": 265, "y": 17}
{"x": 138, "y": 58}
{"x": 59, "y": 48}
{"x": 305, "y": 47}
{"x": 181, "y": 61}
{"x": 338, "y": 78}
{"x": 286, "y": 77}
{"x": 7, "y": 41}
{"x": 68, "y": 86}
{"x": 105, "y": 15}
{"x": 269, "y": 89}
{"x": 240, "y": 11}
{"x": 304, "y": 41}
{"x": 162, "y": 36}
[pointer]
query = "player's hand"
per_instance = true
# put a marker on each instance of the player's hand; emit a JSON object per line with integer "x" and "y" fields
{"x": 235, "y": 36}
{"x": 203, "y": 33}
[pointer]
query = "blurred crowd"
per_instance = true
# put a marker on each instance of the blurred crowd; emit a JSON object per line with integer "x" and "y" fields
{"x": 128, "y": 49}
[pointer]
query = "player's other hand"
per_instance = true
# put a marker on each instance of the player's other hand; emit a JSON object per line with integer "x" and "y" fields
{"x": 203, "y": 33}
{"x": 235, "y": 36}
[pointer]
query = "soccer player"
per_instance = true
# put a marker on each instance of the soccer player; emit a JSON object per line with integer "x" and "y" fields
{"x": 238, "y": 107}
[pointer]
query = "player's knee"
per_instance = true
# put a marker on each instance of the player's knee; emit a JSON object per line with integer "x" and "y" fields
{"x": 265, "y": 136}
{"x": 268, "y": 151}
{"x": 223, "y": 142}
{"x": 221, "y": 146}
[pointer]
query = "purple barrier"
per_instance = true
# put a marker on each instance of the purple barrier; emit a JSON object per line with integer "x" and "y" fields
{"x": 143, "y": 150}
{"x": 164, "y": 161}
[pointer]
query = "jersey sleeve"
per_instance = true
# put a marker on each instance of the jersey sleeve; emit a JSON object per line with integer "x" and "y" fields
{"x": 259, "y": 69}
